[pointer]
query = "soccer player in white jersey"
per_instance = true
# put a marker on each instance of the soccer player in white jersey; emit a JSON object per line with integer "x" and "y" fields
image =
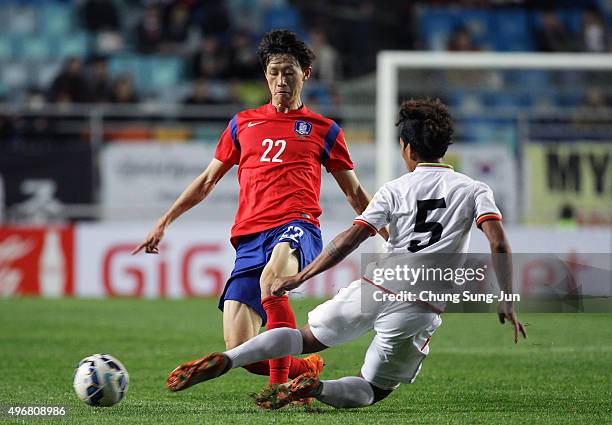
{"x": 428, "y": 210}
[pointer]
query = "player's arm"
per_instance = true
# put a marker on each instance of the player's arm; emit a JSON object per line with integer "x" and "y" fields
{"x": 195, "y": 193}
{"x": 336, "y": 251}
{"x": 355, "y": 193}
{"x": 501, "y": 256}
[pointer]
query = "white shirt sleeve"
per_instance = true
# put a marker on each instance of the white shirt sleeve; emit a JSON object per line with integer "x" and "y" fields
{"x": 378, "y": 213}
{"x": 484, "y": 204}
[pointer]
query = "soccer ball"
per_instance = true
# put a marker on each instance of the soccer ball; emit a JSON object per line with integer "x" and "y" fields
{"x": 100, "y": 380}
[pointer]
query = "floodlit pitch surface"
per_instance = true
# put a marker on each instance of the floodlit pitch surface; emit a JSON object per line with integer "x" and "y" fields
{"x": 474, "y": 373}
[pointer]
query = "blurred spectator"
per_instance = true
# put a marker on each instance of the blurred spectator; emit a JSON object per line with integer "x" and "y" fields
{"x": 593, "y": 32}
{"x": 594, "y": 99}
{"x": 461, "y": 40}
{"x": 243, "y": 63}
{"x": 100, "y": 85}
{"x": 176, "y": 32}
{"x": 326, "y": 67}
{"x": 554, "y": 36}
{"x": 100, "y": 15}
{"x": 149, "y": 32}
{"x": 201, "y": 94}
{"x": 124, "y": 90}
{"x": 215, "y": 20}
{"x": 69, "y": 86}
{"x": 210, "y": 61}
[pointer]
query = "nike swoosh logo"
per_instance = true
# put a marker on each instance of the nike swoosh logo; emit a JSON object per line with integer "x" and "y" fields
{"x": 253, "y": 124}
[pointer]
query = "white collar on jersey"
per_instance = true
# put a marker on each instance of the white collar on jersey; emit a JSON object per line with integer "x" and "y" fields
{"x": 431, "y": 166}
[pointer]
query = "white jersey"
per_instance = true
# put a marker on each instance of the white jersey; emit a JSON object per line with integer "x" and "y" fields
{"x": 430, "y": 210}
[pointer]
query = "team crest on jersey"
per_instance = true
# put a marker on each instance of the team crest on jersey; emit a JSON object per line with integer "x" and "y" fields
{"x": 302, "y": 128}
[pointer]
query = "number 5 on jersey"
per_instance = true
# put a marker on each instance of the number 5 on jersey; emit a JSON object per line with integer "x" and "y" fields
{"x": 424, "y": 226}
{"x": 270, "y": 144}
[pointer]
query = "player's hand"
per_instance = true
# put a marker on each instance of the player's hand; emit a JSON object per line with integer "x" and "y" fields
{"x": 284, "y": 284}
{"x": 151, "y": 242}
{"x": 505, "y": 312}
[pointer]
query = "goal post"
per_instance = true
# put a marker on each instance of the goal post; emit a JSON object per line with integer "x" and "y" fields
{"x": 389, "y": 63}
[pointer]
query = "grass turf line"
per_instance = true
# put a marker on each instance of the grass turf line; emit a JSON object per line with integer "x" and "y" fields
{"x": 474, "y": 373}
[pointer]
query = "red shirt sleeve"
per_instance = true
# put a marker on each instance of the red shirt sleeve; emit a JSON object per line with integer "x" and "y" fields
{"x": 228, "y": 148}
{"x": 336, "y": 156}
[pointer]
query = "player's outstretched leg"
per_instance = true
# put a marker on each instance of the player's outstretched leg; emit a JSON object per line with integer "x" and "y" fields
{"x": 347, "y": 392}
{"x": 270, "y": 344}
{"x": 280, "y": 315}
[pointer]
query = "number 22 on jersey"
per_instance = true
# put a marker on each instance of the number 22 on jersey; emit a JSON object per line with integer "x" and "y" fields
{"x": 271, "y": 144}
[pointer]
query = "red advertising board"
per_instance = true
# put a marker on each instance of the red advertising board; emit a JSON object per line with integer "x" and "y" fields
{"x": 36, "y": 261}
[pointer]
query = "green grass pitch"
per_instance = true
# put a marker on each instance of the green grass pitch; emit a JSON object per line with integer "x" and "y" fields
{"x": 473, "y": 375}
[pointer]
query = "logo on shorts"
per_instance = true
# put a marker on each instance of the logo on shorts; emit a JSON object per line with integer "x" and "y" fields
{"x": 302, "y": 128}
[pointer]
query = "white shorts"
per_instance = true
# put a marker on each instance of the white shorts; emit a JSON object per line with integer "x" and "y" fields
{"x": 402, "y": 332}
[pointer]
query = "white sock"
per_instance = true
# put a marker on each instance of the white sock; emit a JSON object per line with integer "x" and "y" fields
{"x": 272, "y": 344}
{"x": 350, "y": 391}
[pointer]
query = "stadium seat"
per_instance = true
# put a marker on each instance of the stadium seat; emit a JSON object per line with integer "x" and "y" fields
{"x": 435, "y": 25}
{"x": 76, "y": 44}
{"x": 281, "y": 17}
{"x": 22, "y": 19}
{"x": 34, "y": 48}
{"x": 56, "y": 19}
{"x": 207, "y": 133}
{"x": 15, "y": 75}
{"x": 164, "y": 72}
{"x": 511, "y": 31}
{"x": 6, "y": 47}
{"x": 480, "y": 23}
{"x": 42, "y": 73}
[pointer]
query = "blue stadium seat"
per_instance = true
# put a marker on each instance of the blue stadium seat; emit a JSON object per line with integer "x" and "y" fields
{"x": 76, "y": 44}
{"x": 15, "y": 75}
{"x": 34, "y": 48}
{"x": 55, "y": 18}
{"x": 42, "y": 73}
{"x": 124, "y": 64}
{"x": 6, "y": 47}
{"x": 22, "y": 19}
{"x": 164, "y": 72}
{"x": 534, "y": 79}
{"x": 281, "y": 17}
{"x": 511, "y": 31}
{"x": 480, "y": 23}
{"x": 435, "y": 25}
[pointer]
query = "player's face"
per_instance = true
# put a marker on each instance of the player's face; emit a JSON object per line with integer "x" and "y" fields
{"x": 285, "y": 80}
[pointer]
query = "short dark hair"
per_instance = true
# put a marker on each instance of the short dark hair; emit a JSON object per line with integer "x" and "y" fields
{"x": 427, "y": 126}
{"x": 284, "y": 42}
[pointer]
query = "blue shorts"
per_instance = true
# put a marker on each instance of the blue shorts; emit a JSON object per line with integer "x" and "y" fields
{"x": 253, "y": 253}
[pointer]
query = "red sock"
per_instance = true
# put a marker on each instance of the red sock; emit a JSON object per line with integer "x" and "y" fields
{"x": 279, "y": 315}
{"x": 297, "y": 367}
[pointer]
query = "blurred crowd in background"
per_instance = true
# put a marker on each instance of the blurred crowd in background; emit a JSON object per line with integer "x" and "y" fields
{"x": 64, "y": 56}
{"x": 203, "y": 52}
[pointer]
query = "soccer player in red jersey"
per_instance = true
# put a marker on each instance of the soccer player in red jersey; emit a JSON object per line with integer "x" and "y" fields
{"x": 279, "y": 149}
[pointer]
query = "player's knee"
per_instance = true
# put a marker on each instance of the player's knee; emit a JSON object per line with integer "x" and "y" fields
{"x": 233, "y": 342}
{"x": 267, "y": 278}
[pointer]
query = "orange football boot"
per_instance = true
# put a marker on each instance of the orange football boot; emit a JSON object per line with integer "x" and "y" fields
{"x": 276, "y": 396}
{"x": 196, "y": 371}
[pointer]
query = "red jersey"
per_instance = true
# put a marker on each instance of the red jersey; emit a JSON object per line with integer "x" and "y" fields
{"x": 279, "y": 157}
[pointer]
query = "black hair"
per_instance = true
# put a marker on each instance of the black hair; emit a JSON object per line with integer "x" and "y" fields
{"x": 284, "y": 42}
{"x": 427, "y": 126}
